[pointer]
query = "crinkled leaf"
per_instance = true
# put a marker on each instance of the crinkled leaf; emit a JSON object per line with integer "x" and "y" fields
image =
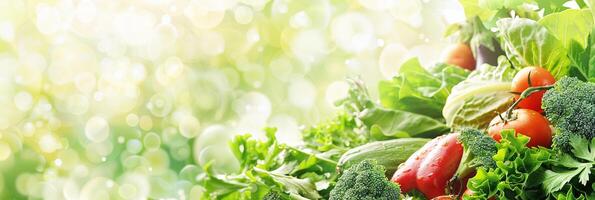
{"x": 530, "y": 44}
{"x": 519, "y": 170}
{"x": 418, "y": 90}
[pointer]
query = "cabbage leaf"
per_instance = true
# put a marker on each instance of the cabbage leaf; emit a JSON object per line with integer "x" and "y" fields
{"x": 475, "y": 101}
{"x": 528, "y": 43}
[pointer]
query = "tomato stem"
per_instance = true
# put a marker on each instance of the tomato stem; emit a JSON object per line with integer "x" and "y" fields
{"x": 523, "y": 96}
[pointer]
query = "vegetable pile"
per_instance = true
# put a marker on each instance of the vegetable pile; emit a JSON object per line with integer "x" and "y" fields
{"x": 508, "y": 114}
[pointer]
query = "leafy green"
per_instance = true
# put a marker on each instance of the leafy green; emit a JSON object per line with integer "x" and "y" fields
{"x": 583, "y": 59}
{"x": 474, "y": 8}
{"x": 569, "y": 25}
{"x": 575, "y": 166}
{"x": 385, "y": 123}
{"x": 475, "y": 101}
{"x": 570, "y": 196}
{"x": 418, "y": 90}
{"x": 490, "y": 11}
{"x": 518, "y": 173}
{"x": 267, "y": 166}
{"x": 528, "y": 43}
{"x": 337, "y": 135}
{"x": 551, "y": 6}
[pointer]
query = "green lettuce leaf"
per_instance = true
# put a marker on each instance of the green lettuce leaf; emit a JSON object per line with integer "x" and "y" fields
{"x": 490, "y": 11}
{"x": 267, "y": 166}
{"x": 475, "y": 101}
{"x": 583, "y": 59}
{"x": 383, "y": 123}
{"x": 418, "y": 90}
{"x": 569, "y": 25}
{"x": 527, "y": 43}
{"x": 518, "y": 174}
{"x": 551, "y": 6}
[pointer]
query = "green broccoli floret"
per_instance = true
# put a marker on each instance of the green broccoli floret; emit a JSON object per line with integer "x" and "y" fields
{"x": 570, "y": 107}
{"x": 478, "y": 150}
{"x": 365, "y": 181}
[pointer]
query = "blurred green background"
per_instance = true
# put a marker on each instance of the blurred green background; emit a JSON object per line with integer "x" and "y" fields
{"x": 114, "y": 99}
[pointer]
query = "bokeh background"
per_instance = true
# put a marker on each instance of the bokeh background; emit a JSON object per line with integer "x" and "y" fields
{"x": 113, "y": 99}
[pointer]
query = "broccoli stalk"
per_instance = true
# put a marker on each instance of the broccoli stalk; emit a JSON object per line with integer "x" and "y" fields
{"x": 365, "y": 181}
{"x": 478, "y": 150}
{"x": 570, "y": 108}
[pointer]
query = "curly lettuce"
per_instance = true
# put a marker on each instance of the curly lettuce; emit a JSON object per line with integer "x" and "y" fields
{"x": 518, "y": 174}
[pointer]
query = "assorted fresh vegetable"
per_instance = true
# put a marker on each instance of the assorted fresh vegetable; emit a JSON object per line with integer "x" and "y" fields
{"x": 518, "y": 173}
{"x": 509, "y": 115}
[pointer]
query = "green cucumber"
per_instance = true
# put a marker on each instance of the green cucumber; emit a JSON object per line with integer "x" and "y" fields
{"x": 388, "y": 153}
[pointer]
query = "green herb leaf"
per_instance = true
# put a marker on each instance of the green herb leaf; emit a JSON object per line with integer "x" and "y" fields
{"x": 570, "y": 166}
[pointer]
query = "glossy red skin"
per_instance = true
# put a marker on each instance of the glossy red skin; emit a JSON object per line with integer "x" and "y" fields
{"x": 539, "y": 77}
{"x": 528, "y": 122}
{"x": 445, "y": 197}
{"x": 439, "y": 166}
{"x": 469, "y": 192}
{"x": 406, "y": 175}
{"x": 460, "y": 55}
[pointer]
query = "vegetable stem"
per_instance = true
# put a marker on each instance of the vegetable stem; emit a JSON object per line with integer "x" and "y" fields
{"x": 523, "y": 96}
{"x": 581, "y": 4}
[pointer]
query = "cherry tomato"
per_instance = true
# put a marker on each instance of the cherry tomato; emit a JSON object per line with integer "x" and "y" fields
{"x": 538, "y": 77}
{"x": 460, "y": 54}
{"x": 445, "y": 197}
{"x": 469, "y": 192}
{"x": 526, "y": 122}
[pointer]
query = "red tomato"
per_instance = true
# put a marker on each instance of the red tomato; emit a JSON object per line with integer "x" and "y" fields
{"x": 539, "y": 77}
{"x": 405, "y": 176}
{"x": 439, "y": 166}
{"x": 469, "y": 192}
{"x": 445, "y": 197}
{"x": 526, "y": 122}
{"x": 460, "y": 54}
